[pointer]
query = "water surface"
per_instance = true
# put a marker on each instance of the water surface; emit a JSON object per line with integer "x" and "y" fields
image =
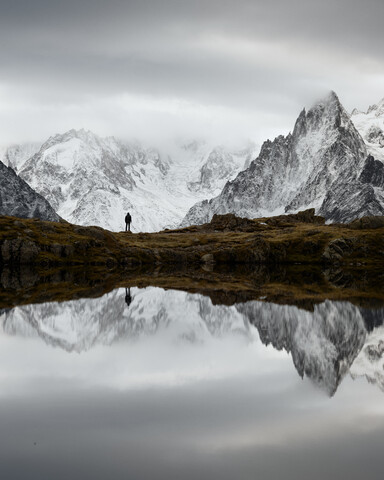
{"x": 164, "y": 384}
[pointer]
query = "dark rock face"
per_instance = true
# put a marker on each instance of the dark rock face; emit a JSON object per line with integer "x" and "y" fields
{"x": 373, "y": 172}
{"x": 346, "y": 202}
{"x": 323, "y": 164}
{"x": 375, "y": 135}
{"x": 18, "y": 199}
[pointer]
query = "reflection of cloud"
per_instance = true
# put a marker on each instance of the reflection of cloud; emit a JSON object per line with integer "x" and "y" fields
{"x": 269, "y": 426}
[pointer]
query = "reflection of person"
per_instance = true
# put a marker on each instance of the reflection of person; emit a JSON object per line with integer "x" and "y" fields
{"x": 128, "y": 298}
{"x": 128, "y": 220}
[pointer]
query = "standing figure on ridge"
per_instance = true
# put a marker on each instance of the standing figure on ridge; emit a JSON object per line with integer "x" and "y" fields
{"x": 128, "y": 220}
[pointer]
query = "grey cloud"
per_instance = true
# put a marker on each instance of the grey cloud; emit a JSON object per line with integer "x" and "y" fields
{"x": 254, "y": 55}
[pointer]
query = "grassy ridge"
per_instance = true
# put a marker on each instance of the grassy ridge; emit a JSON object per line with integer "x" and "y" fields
{"x": 227, "y": 240}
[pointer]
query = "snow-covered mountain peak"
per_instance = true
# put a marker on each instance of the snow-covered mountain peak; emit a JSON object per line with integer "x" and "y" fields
{"x": 355, "y": 111}
{"x": 377, "y": 109}
{"x": 371, "y": 127}
{"x": 92, "y": 180}
{"x": 15, "y": 156}
{"x": 67, "y": 148}
{"x": 326, "y": 114}
{"x": 297, "y": 171}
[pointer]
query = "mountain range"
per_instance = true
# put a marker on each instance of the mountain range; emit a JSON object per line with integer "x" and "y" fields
{"x": 90, "y": 180}
{"x": 328, "y": 162}
{"x": 332, "y": 161}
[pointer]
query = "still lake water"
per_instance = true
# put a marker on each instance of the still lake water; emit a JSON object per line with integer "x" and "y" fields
{"x": 169, "y": 386}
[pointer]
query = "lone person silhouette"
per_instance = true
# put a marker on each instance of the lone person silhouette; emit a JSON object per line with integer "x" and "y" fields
{"x": 128, "y": 297}
{"x": 128, "y": 220}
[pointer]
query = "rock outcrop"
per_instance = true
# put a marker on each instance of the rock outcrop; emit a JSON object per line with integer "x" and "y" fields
{"x": 18, "y": 199}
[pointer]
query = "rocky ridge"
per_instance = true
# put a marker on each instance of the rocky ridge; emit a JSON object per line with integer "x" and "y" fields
{"x": 17, "y": 198}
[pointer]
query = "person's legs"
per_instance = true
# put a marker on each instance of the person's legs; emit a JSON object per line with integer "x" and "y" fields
{"x": 126, "y": 226}
{"x": 129, "y": 227}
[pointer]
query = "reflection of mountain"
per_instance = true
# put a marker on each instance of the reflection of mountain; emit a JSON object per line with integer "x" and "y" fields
{"x": 79, "y": 325}
{"x": 323, "y": 343}
{"x": 370, "y": 361}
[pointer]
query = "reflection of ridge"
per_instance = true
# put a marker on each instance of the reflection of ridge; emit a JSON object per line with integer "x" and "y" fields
{"x": 323, "y": 344}
{"x": 373, "y": 318}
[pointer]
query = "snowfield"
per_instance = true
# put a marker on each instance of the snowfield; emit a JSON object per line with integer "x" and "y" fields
{"x": 91, "y": 180}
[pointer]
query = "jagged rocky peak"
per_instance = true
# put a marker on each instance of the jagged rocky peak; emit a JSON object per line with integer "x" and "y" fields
{"x": 18, "y": 199}
{"x": 297, "y": 171}
{"x": 220, "y": 164}
{"x": 377, "y": 108}
{"x": 326, "y": 112}
{"x": 355, "y": 111}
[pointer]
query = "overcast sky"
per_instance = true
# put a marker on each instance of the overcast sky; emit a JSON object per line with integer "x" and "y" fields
{"x": 154, "y": 69}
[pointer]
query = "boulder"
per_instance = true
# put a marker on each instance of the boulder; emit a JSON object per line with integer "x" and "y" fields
{"x": 366, "y": 223}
